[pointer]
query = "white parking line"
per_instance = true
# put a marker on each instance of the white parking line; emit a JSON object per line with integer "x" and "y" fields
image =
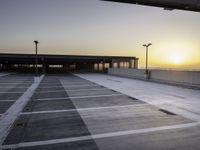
{"x": 14, "y": 111}
{"x": 81, "y": 109}
{"x": 16, "y": 83}
{"x": 8, "y": 87}
{"x": 86, "y": 85}
{"x": 5, "y": 74}
{"x": 12, "y": 92}
{"x": 98, "y": 136}
{"x": 53, "y": 91}
{"x": 8, "y": 100}
{"x": 99, "y": 89}
{"x": 82, "y": 85}
{"x": 68, "y": 83}
{"x": 77, "y": 97}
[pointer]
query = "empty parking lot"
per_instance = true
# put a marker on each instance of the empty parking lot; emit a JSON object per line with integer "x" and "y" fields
{"x": 69, "y": 112}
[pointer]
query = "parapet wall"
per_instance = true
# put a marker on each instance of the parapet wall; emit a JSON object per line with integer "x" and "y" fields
{"x": 183, "y": 78}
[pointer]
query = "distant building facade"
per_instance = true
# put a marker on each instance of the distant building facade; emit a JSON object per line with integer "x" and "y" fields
{"x": 66, "y": 62}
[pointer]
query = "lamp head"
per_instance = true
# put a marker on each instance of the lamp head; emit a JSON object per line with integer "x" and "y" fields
{"x": 144, "y": 45}
{"x": 36, "y": 42}
{"x": 147, "y": 45}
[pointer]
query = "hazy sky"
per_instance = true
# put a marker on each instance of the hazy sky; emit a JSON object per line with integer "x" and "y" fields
{"x": 92, "y": 27}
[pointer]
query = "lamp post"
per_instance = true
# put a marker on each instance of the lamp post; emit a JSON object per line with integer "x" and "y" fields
{"x": 36, "y": 58}
{"x": 147, "y": 47}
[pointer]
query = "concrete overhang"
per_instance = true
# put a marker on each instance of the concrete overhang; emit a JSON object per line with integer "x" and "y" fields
{"x": 7, "y": 58}
{"x": 191, "y": 5}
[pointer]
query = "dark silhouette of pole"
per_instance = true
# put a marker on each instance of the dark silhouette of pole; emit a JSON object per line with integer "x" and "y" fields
{"x": 147, "y": 48}
{"x": 36, "y": 58}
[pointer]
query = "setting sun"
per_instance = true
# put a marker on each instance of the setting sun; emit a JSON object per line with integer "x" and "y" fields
{"x": 175, "y": 53}
{"x": 176, "y": 58}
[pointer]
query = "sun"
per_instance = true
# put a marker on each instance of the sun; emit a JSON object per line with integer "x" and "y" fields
{"x": 176, "y": 58}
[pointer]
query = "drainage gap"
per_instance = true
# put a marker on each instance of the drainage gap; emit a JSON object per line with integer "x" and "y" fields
{"x": 19, "y": 124}
{"x": 132, "y": 98}
{"x": 166, "y": 112}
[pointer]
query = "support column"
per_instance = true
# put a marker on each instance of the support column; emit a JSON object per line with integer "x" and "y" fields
{"x": 98, "y": 67}
{"x": 131, "y": 63}
{"x": 136, "y": 63}
{"x": 44, "y": 69}
{"x": 127, "y": 65}
{"x": 111, "y": 65}
{"x": 118, "y": 64}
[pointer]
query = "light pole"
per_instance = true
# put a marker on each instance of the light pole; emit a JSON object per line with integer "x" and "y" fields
{"x": 36, "y": 58}
{"x": 147, "y": 47}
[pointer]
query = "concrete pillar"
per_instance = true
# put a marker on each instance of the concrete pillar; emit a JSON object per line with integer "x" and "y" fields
{"x": 103, "y": 66}
{"x": 118, "y": 64}
{"x": 90, "y": 66}
{"x": 111, "y": 65}
{"x": 136, "y": 63}
{"x": 128, "y": 64}
{"x": 125, "y": 65}
{"x": 95, "y": 67}
{"x": 98, "y": 68}
{"x": 131, "y": 63}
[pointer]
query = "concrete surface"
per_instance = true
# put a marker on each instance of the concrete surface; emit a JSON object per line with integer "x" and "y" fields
{"x": 183, "y": 101}
{"x": 69, "y": 112}
{"x": 4, "y": 74}
{"x": 9, "y": 117}
{"x": 11, "y": 88}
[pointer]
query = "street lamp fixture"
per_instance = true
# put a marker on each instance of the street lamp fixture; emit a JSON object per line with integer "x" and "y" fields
{"x": 147, "y": 47}
{"x": 36, "y": 58}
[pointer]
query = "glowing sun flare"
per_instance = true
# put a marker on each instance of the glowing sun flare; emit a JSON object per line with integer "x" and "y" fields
{"x": 176, "y": 58}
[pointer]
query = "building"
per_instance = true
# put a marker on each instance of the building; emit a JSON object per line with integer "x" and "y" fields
{"x": 65, "y": 62}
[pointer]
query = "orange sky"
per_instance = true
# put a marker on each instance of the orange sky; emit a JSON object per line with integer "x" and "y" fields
{"x": 93, "y": 27}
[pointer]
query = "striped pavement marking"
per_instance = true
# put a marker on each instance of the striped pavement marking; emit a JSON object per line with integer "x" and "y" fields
{"x": 98, "y": 136}
{"x": 12, "y": 92}
{"x": 8, "y": 100}
{"x": 77, "y": 97}
{"x": 99, "y": 89}
{"x": 14, "y": 111}
{"x": 82, "y": 109}
{"x": 85, "y": 85}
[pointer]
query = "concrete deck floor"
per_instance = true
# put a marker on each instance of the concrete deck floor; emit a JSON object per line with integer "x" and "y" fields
{"x": 69, "y": 112}
{"x": 11, "y": 88}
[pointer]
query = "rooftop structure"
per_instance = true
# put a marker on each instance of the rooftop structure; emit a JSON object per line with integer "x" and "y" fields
{"x": 191, "y": 5}
{"x": 68, "y": 62}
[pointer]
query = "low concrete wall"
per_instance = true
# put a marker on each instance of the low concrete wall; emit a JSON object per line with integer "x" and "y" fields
{"x": 184, "y": 78}
{"x": 131, "y": 73}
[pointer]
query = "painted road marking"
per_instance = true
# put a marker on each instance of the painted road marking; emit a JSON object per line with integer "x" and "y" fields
{"x": 5, "y": 74}
{"x": 24, "y": 87}
{"x": 81, "y": 109}
{"x": 22, "y": 81}
{"x": 99, "y": 89}
{"x": 77, "y": 97}
{"x": 68, "y": 83}
{"x": 82, "y": 85}
{"x": 17, "y": 83}
{"x": 14, "y": 111}
{"x": 98, "y": 136}
{"x": 86, "y": 85}
{"x": 8, "y": 100}
{"x": 12, "y": 92}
